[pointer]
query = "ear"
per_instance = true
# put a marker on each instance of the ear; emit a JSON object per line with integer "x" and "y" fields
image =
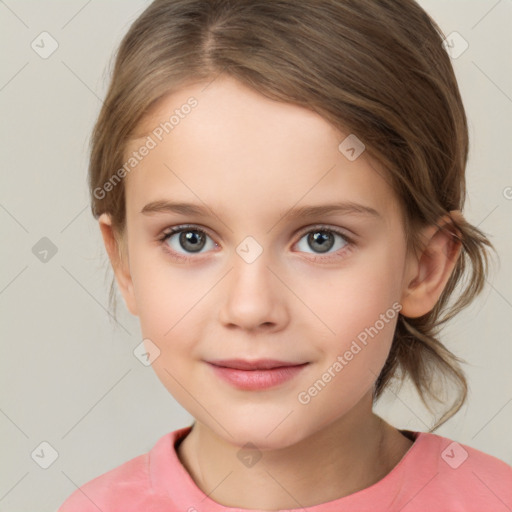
{"x": 428, "y": 272}
{"x": 118, "y": 255}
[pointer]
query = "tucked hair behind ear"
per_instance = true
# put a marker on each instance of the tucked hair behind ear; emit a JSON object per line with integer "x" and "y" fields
{"x": 375, "y": 68}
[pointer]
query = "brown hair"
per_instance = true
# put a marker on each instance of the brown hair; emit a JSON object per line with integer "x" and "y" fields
{"x": 376, "y": 68}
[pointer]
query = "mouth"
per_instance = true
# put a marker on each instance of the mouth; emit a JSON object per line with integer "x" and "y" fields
{"x": 256, "y": 375}
{"x": 259, "y": 364}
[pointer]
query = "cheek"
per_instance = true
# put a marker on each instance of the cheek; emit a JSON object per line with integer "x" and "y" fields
{"x": 170, "y": 311}
{"x": 171, "y": 301}
{"x": 159, "y": 298}
{"x": 353, "y": 358}
{"x": 361, "y": 305}
{"x": 354, "y": 298}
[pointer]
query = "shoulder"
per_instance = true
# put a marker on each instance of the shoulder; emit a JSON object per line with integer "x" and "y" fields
{"x": 457, "y": 455}
{"x": 130, "y": 477}
{"x": 458, "y": 475}
{"x": 127, "y": 487}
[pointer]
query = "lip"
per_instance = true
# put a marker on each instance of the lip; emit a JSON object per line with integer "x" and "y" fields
{"x": 255, "y": 364}
{"x": 256, "y": 375}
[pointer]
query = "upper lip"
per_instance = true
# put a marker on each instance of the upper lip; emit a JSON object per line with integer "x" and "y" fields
{"x": 257, "y": 364}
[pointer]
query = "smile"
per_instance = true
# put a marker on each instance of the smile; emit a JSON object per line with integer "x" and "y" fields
{"x": 256, "y": 375}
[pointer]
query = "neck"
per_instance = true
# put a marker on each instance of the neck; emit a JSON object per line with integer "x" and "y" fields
{"x": 344, "y": 457}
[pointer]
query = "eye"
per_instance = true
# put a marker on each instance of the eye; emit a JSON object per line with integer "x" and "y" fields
{"x": 322, "y": 239}
{"x": 183, "y": 241}
{"x": 189, "y": 239}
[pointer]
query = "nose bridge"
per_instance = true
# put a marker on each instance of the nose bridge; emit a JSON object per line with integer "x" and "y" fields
{"x": 253, "y": 297}
{"x": 251, "y": 269}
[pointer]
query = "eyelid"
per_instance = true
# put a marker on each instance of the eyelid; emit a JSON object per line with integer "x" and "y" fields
{"x": 182, "y": 227}
{"x": 349, "y": 237}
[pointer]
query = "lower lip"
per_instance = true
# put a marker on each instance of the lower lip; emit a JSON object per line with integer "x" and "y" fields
{"x": 257, "y": 379}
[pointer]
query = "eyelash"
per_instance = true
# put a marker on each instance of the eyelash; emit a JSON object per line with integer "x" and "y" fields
{"x": 349, "y": 243}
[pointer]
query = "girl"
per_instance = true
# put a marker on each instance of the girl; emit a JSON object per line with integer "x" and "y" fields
{"x": 279, "y": 187}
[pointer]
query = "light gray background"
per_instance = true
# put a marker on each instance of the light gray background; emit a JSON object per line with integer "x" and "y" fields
{"x": 68, "y": 375}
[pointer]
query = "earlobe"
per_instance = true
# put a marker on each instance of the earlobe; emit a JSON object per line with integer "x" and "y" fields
{"x": 428, "y": 273}
{"x": 119, "y": 261}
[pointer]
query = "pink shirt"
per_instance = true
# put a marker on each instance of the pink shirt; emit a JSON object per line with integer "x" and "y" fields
{"x": 436, "y": 474}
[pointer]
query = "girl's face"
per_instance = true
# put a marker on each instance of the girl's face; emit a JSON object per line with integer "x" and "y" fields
{"x": 251, "y": 278}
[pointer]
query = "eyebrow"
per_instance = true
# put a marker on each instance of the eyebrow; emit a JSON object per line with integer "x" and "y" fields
{"x": 348, "y": 208}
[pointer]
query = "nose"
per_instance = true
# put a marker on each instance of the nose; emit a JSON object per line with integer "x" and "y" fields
{"x": 253, "y": 298}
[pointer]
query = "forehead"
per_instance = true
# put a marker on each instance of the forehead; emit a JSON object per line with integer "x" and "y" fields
{"x": 225, "y": 143}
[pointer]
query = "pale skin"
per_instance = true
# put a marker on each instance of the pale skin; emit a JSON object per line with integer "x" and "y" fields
{"x": 251, "y": 160}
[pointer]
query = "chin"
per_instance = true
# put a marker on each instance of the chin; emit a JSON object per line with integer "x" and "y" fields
{"x": 264, "y": 433}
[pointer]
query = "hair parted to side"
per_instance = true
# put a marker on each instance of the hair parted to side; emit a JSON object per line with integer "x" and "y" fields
{"x": 374, "y": 68}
